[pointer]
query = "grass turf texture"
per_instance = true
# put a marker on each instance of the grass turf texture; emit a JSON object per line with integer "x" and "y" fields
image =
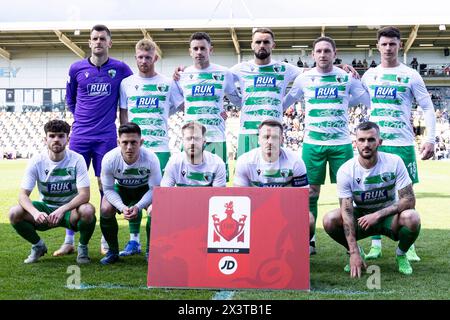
{"x": 47, "y": 279}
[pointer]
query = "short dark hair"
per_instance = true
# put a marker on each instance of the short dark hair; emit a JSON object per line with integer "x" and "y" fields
{"x": 263, "y": 30}
{"x": 368, "y": 125}
{"x": 57, "y": 126}
{"x": 193, "y": 125}
{"x": 200, "y": 36}
{"x": 327, "y": 39}
{"x": 101, "y": 27}
{"x": 390, "y": 32}
{"x": 271, "y": 123}
{"x": 129, "y": 127}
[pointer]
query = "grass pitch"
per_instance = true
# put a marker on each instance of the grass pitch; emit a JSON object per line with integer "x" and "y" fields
{"x": 50, "y": 277}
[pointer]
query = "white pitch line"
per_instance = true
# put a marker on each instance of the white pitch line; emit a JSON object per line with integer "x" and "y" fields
{"x": 223, "y": 295}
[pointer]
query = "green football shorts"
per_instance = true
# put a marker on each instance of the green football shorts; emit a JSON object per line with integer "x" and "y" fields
{"x": 316, "y": 158}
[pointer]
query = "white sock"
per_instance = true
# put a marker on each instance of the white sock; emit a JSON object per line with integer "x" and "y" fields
{"x": 376, "y": 243}
{"x": 69, "y": 239}
{"x": 313, "y": 238}
{"x": 135, "y": 237}
{"x": 399, "y": 252}
{"x": 412, "y": 246}
{"x": 103, "y": 240}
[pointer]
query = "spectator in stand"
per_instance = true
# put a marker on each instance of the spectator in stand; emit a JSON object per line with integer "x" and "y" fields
{"x": 414, "y": 63}
{"x": 373, "y": 64}
{"x": 365, "y": 64}
{"x": 354, "y": 63}
{"x": 300, "y": 62}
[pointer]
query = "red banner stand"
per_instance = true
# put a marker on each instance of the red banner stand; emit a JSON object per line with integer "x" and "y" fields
{"x": 233, "y": 238}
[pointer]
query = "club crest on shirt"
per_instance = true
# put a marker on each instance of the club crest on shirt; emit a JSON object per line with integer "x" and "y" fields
{"x": 208, "y": 176}
{"x": 162, "y": 87}
{"x": 136, "y": 87}
{"x": 284, "y": 173}
{"x": 277, "y": 68}
{"x": 143, "y": 171}
{"x": 112, "y": 73}
{"x": 86, "y": 74}
{"x": 71, "y": 172}
{"x": 183, "y": 173}
{"x": 217, "y": 76}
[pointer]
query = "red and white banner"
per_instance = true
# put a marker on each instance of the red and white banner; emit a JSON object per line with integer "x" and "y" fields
{"x": 229, "y": 238}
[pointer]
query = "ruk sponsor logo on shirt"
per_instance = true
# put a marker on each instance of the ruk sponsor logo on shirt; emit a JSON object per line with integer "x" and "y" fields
{"x": 326, "y": 93}
{"x": 264, "y": 81}
{"x": 147, "y": 102}
{"x": 99, "y": 89}
{"x": 203, "y": 91}
{"x": 375, "y": 195}
{"x": 59, "y": 187}
{"x": 385, "y": 92}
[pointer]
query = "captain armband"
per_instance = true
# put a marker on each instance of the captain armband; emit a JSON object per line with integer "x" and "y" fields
{"x": 301, "y": 181}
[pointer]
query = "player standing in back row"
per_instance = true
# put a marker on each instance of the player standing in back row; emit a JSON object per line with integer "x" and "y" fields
{"x": 393, "y": 86}
{"x": 203, "y": 87}
{"x": 328, "y": 92}
{"x": 148, "y": 97}
{"x": 263, "y": 83}
{"x": 92, "y": 95}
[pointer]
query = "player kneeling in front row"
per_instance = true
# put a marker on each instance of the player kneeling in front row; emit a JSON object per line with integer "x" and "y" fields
{"x": 271, "y": 165}
{"x": 63, "y": 184}
{"x": 367, "y": 187}
{"x": 128, "y": 176}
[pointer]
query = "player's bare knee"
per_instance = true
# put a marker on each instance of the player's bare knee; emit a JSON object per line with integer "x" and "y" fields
{"x": 331, "y": 220}
{"x": 15, "y": 214}
{"x": 410, "y": 219}
{"x": 87, "y": 212}
{"x": 107, "y": 211}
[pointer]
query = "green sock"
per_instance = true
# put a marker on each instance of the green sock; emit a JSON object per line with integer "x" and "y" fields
{"x": 313, "y": 208}
{"x": 27, "y": 231}
{"x": 110, "y": 229}
{"x": 407, "y": 237}
{"x": 147, "y": 230}
{"x": 135, "y": 224}
{"x": 86, "y": 230}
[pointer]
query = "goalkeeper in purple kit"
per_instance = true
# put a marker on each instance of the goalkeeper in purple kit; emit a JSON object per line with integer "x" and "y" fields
{"x": 92, "y": 95}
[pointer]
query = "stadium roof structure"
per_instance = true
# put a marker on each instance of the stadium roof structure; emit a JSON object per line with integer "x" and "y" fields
{"x": 51, "y": 24}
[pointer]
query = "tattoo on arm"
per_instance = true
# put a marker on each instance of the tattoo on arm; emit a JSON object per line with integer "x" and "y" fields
{"x": 348, "y": 222}
{"x": 407, "y": 199}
